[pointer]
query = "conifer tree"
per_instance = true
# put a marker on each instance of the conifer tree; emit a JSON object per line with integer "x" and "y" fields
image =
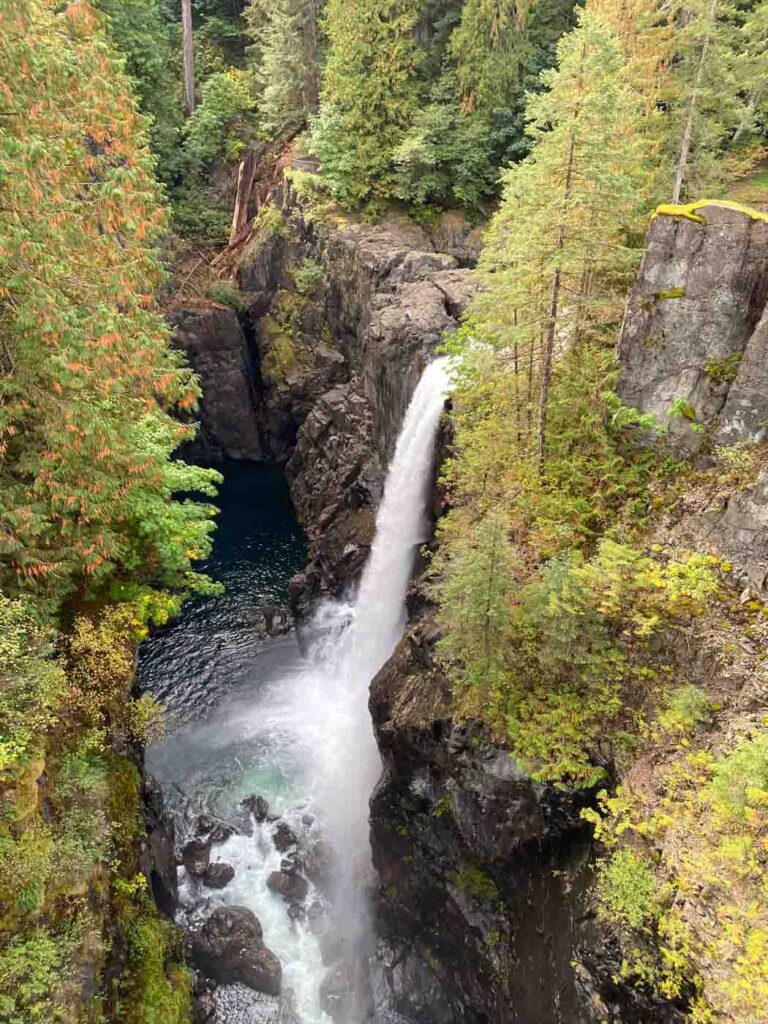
{"x": 371, "y": 91}
{"x": 288, "y": 67}
{"x": 88, "y": 379}
{"x": 705, "y": 106}
{"x": 558, "y": 254}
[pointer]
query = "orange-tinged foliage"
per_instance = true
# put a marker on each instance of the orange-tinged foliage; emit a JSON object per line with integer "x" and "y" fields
{"x": 88, "y": 380}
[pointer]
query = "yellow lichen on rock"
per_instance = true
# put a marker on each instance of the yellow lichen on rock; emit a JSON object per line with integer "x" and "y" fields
{"x": 688, "y": 210}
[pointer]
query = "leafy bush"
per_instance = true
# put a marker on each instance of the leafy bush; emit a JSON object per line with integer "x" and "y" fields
{"x": 32, "y": 970}
{"x": 739, "y": 786}
{"x": 627, "y": 889}
{"x": 31, "y": 684}
{"x": 687, "y": 706}
{"x": 226, "y": 295}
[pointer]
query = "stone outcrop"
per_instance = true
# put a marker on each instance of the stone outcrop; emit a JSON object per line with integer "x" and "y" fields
{"x": 217, "y": 349}
{"x": 229, "y": 948}
{"x": 696, "y": 334}
{"x": 694, "y": 342}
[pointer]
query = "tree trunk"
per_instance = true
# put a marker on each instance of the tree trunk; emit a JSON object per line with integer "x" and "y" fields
{"x": 554, "y": 302}
{"x": 245, "y": 176}
{"x": 189, "y": 60}
{"x": 685, "y": 146}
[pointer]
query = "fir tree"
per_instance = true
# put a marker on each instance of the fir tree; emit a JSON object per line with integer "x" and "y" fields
{"x": 288, "y": 67}
{"x": 557, "y": 253}
{"x": 371, "y": 91}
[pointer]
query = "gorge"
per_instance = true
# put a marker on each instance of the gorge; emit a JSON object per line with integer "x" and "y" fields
{"x": 483, "y": 907}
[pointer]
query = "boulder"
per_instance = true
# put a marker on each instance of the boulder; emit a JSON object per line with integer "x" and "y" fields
{"x": 284, "y": 837}
{"x": 257, "y": 806}
{"x": 229, "y": 948}
{"x": 212, "y": 830}
{"x": 293, "y": 887}
{"x": 218, "y": 876}
{"x": 196, "y": 856}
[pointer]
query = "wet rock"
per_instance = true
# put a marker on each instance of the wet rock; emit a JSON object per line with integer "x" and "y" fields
{"x": 217, "y": 349}
{"x": 196, "y": 856}
{"x": 318, "y": 863}
{"x": 203, "y": 1007}
{"x": 229, "y": 948}
{"x": 284, "y": 837}
{"x": 290, "y": 865}
{"x": 158, "y": 860}
{"x": 218, "y": 876}
{"x": 236, "y": 1004}
{"x": 257, "y": 806}
{"x": 293, "y": 887}
{"x": 272, "y": 621}
{"x": 345, "y": 993}
{"x": 316, "y": 915}
{"x": 296, "y": 912}
{"x": 212, "y": 830}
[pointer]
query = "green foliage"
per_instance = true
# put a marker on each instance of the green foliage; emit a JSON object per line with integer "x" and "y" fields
{"x": 723, "y": 370}
{"x": 87, "y": 482}
{"x": 157, "y": 988}
{"x": 477, "y": 884}
{"x": 692, "y": 910}
{"x": 627, "y": 889}
{"x": 221, "y": 128}
{"x": 286, "y": 67}
{"x": 739, "y": 787}
{"x": 686, "y": 708}
{"x": 371, "y": 91}
{"x": 31, "y": 685}
{"x": 309, "y": 277}
{"x": 32, "y": 971}
{"x": 226, "y": 294}
{"x": 140, "y": 32}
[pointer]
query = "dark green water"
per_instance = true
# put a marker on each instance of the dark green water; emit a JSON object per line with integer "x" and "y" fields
{"x": 193, "y": 663}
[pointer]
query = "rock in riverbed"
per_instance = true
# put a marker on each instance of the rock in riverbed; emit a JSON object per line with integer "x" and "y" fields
{"x": 257, "y": 806}
{"x": 196, "y": 856}
{"x": 229, "y": 948}
{"x": 284, "y": 837}
{"x": 219, "y": 875}
{"x": 293, "y": 887}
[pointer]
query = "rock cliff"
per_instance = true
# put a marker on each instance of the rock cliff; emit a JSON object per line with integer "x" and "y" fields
{"x": 337, "y": 321}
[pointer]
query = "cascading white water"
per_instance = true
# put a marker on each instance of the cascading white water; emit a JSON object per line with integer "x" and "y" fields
{"x": 313, "y": 729}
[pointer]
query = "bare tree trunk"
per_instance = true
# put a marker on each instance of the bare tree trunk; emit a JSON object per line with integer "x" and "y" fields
{"x": 685, "y": 146}
{"x": 245, "y": 176}
{"x": 554, "y": 305}
{"x": 189, "y": 60}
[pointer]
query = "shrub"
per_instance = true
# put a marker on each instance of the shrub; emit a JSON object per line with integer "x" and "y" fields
{"x": 221, "y": 126}
{"x": 740, "y": 781}
{"x": 627, "y": 890}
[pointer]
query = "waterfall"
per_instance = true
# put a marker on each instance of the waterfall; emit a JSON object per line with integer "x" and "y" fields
{"x": 306, "y": 742}
{"x": 331, "y": 700}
